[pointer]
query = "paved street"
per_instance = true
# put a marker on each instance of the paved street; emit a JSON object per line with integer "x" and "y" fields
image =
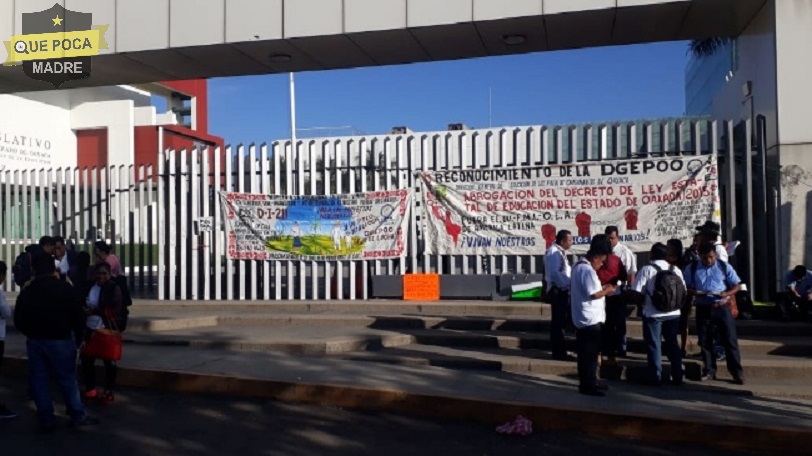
{"x": 153, "y": 423}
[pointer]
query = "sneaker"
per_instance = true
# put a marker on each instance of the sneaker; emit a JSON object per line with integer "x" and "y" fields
{"x": 6, "y": 414}
{"x": 739, "y": 379}
{"x": 707, "y": 376}
{"x": 87, "y": 420}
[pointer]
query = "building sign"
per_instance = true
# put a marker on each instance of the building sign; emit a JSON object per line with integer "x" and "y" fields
{"x": 359, "y": 226}
{"x": 24, "y": 151}
{"x": 519, "y": 211}
{"x": 56, "y": 44}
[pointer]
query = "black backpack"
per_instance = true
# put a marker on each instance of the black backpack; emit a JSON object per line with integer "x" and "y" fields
{"x": 126, "y": 298}
{"x": 23, "y": 268}
{"x": 669, "y": 290}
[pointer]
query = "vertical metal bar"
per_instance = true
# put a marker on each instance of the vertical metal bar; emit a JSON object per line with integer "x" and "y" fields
{"x": 290, "y": 155}
{"x": 354, "y": 160}
{"x": 364, "y": 160}
{"x": 328, "y": 159}
{"x": 265, "y": 175}
{"x": 219, "y": 235}
{"x": 15, "y": 234}
{"x": 144, "y": 225}
{"x": 401, "y": 183}
{"x": 748, "y": 184}
{"x": 277, "y": 190}
{"x": 313, "y": 173}
{"x": 229, "y": 182}
{"x": 153, "y": 227}
{"x": 8, "y": 211}
{"x": 173, "y": 183}
{"x": 732, "y": 220}
{"x": 194, "y": 214}
{"x": 411, "y": 158}
{"x": 253, "y": 182}
{"x": 424, "y": 165}
{"x": 241, "y": 188}
{"x": 301, "y": 190}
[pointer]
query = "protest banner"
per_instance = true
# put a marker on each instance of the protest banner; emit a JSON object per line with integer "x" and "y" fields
{"x": 518, "y": 211}
{"x": 320, "y": 228}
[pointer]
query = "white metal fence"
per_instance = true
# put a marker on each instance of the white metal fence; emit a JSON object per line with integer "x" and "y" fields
{"x": 150, "y": 214}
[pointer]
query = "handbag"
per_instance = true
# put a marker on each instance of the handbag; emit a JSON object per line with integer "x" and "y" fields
{"x": 104, "y": 343}
{"x": 734, "y": 309}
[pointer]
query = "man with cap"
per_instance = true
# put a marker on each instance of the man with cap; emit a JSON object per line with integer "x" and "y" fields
{"x": 710, "y": 232}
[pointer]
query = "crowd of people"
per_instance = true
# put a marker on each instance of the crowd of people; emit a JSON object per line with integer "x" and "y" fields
{"x": 596, "y": 294}
{"x": 62, "y": 301}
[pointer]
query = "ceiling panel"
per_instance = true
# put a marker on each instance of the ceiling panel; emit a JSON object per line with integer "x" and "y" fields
{"x": 648, "y": 23}
{"x": 719, "y": 18}
{"x": 114, "y": 69}
{"x": 579, "y": 30}
{"x": 451, "y": 41}
{"x": 336, "y": 51}
{"x": 225, "y": 60}
{"x": 262, "y": 50}
{"x": 390, "y": 47}
{"x": 494, "y": 32}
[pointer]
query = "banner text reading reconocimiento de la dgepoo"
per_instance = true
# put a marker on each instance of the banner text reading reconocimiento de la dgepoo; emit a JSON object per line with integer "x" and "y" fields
{"x": 519, "y": 211}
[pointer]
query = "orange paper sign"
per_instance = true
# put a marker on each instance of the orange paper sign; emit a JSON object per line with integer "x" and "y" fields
{"x": 421, "y": 287}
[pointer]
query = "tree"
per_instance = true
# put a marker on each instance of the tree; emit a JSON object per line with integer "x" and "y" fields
{"x": 707, "y": 47}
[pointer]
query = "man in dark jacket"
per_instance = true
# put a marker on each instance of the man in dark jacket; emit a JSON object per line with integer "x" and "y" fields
{"x": 50, "y": 316}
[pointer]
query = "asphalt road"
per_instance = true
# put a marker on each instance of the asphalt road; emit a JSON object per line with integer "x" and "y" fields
{"x": 155, "y": 423}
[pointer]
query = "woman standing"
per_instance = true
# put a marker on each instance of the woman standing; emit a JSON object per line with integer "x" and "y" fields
{"x": 104, "y": 253}
{"x": 105, "y": 309}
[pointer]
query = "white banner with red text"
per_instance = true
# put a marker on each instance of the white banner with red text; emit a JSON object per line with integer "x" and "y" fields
{"x": 357, "y": 226}
{"x": 518, "y": 211}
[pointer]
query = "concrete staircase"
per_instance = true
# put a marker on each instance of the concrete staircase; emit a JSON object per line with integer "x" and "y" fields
{"x": 472, "y": 336}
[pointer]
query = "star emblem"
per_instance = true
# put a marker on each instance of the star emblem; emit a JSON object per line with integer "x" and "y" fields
{"x": 57, "y": 21}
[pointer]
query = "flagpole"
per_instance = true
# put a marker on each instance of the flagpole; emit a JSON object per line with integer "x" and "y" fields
{"x": 292, "y": 113}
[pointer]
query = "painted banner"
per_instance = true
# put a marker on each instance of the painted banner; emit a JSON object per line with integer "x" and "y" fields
{"x": 518, "y": 211}
{"x": 320, "y": 228}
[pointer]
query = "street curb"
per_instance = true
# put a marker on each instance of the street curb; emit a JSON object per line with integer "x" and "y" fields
{"x": 545, "y": 418}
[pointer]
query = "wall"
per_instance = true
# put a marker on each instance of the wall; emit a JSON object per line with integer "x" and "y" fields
{"x": 199, "y": 89}
{"x": 34, "y": 135}
{"x": 119, "y": 119}
{"x": 91, "y": 147}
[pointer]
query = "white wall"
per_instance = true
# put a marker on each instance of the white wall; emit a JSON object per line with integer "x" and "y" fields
{"x": 119, "y": 119}
{"x": 794, "y": 61}
{"x": 34, "y": 135}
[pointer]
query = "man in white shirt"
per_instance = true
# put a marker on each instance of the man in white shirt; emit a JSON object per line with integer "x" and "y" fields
{"x": 709, "y": 233}
{"x": 589, "y": 313}
{"x": 616, "y": 310}
{"x": 557, "y": 288}
{"x": 661, "y": 325}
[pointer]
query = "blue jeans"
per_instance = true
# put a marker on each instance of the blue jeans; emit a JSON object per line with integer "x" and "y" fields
{"x": 657, "y": 331}
{"x": 57, "y": 359}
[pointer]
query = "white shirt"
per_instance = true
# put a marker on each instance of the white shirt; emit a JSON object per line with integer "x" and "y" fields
{"x": 585, "y": 310}
{"x": 557, "y": 268}
{"x": 295, "y": 231}
{"x": 5, "y": 314}
{"x": 721, "y": 252}
{"x": 627, "y": 257}
{"x": 62, "y": 265}
{"x": 94, "y": 321}
{"x": 644, "y": 283}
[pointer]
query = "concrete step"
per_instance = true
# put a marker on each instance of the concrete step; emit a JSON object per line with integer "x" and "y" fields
{"x": 782, "y": 346}
{"x": 757, "y": 368}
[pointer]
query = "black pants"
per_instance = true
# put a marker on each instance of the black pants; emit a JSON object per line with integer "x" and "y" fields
{"x": 588, "y": 340}
{"x": 792, "y": 306}
{"x": 560, "y": 302}
{"x": 89, "y": 371}
{"x": 718, "y": 322}
{"x": 614, "y": 330}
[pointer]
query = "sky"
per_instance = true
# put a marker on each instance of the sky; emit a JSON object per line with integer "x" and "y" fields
{"x": 591, "y": 85}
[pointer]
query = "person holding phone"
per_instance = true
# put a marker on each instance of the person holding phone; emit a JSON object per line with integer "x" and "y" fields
{"x": 713, "y": 282}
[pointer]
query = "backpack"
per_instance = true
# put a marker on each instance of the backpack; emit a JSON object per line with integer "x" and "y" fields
{"x": 126, "y": 298}
{"x": 669, "y": 291}
{"x": 23, "y": 269}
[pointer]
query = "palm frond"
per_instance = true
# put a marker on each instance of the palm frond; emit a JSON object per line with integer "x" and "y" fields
{"x": 707, "y": 47}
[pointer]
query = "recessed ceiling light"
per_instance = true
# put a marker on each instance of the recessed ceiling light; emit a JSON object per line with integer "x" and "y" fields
{"x": 280, "y": 58}
{"x": 514, "y": 40}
